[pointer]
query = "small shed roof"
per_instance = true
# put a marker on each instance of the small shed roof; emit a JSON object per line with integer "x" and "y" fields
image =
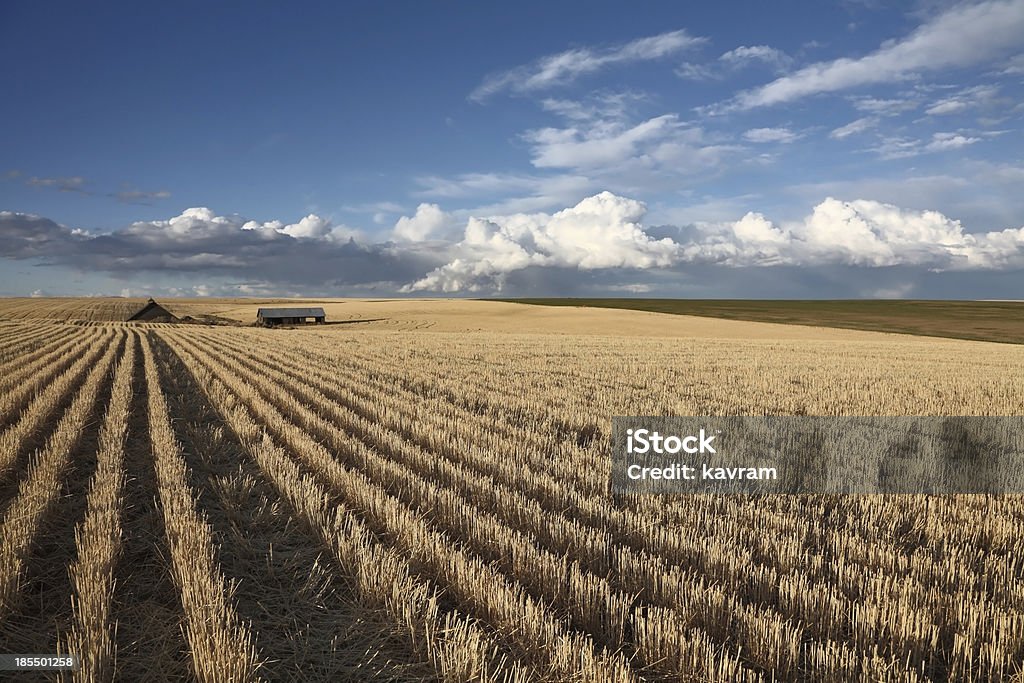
{"x": 290, "y": 313}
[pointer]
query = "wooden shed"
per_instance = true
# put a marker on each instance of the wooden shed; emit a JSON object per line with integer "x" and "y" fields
{"x": 153, "y": 311}
{"x": 290, "y": 316}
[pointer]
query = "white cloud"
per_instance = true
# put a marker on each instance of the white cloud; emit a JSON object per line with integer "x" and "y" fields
{"x": 692, "y": 71}
{"x": 628, "y": 154}
{"x": 201, "y": 223}
{"x": 964, "y": 35}
{"x": 310, "y": 227}
{"x": 568, "y": 109}
{"x": 765, "y": 135}
{"x": 599, "y": 146}
{"x": 897, "y": 148}
{"x": 428, "y": 222}
{"x": 605, "y": 231}
{"x": 603, "y": 105}
{"x": 885, "y": 107}
{"x": 968, "y": 98}
{"x": 854, "y": 127}
{"x": 564, "y": 67}
{"x": 903, "y": 148}
{"x": 858, "y": 233}
{"x": 942, "y": 142}
{"x": 1014, "y": 66}
{"x": 757, "y": 53}
{"x": 947, "y": 106}
{"x": 603, "y": 234}
{"x": 734, "y": 60}
{"x": 602, "y": 231}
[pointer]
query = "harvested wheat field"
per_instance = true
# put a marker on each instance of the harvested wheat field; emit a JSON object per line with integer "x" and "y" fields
{"x": 433, "y": 315}
{"x": 375, "y": 502}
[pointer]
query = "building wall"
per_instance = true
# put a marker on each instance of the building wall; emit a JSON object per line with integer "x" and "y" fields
{"x": 291, "y": 321}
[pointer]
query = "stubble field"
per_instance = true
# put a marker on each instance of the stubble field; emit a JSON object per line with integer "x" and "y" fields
{"x": 364, "y": 502}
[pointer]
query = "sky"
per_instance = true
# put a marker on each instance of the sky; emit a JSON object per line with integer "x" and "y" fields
{"x": 854, "y": 149}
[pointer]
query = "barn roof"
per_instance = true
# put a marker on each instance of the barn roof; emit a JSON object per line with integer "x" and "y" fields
{"x": 290, "y": 313}
{"x": 152, "y": 310}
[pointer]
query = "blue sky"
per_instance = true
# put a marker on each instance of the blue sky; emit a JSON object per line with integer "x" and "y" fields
{"x": 748, "y": 149}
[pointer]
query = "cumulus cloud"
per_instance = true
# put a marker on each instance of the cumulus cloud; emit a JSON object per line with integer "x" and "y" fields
{"x": 602, "y": 231}
{"x": 964, "y": 35}
{"x": 428, "y": 222}
{"x": 566, "y": 66}
{"x": 858, "y": 233}
{"x": 601, "y": 239}
{"x": 310, "y": 227}
{"x": 605, "y": 232}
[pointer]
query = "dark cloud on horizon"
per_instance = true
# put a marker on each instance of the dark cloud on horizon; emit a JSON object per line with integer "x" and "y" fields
{"x": 214, "y": 250}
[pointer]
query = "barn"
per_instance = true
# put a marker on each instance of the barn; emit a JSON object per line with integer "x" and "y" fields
{"x": 289, "y": 316}
{"x": 153, "y": 311}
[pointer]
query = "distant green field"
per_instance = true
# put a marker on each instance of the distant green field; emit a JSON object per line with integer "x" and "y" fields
{"x": 999, "y": 321}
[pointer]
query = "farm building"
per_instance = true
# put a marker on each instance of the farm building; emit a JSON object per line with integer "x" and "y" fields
{"x": 153, "y": 311}
{"x": 289, "y": 316}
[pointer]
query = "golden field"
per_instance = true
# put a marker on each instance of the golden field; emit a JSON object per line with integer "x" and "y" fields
{"x": 421, "y": 493}
{"x": 434, "y": 315}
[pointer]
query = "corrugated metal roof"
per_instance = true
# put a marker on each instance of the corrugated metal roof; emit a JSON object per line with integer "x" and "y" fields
{"x": 290, "y": 313}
